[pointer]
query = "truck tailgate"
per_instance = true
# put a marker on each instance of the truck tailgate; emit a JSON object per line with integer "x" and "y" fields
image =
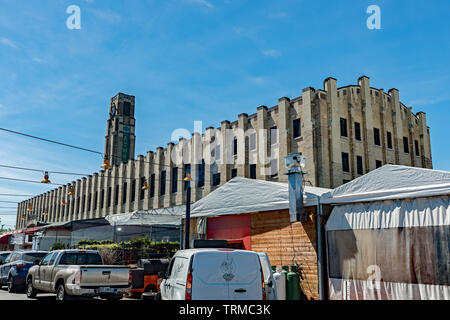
{"x": 104, "y": 276}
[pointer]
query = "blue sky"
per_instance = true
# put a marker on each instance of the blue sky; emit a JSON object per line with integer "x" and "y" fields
{"x": 207, "y": 60}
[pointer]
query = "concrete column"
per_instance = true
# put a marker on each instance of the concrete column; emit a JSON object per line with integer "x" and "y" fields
{"x": 284, "y": 136}
{"x": 183, "y": 158}
{"x": 129, "y": 174}
{"x": 51, "y": 212}
{"x": 242, "y": 152}
{"x": 209, "y": 160}
{"x": 148, "y": 170}
{"x": 368, "y": 135}
{"x": 121, "y": 174}
{"x": 115, "y": 189}
{"x": 350, "y": 126}
{"x": 424, "y": 141}
{"x": 138, "y": 174}
{"x": 330, "y": 85}
{"x": 262, "y": 170}
{"x": 169, "y": 173}
{"x": 398, "y": 125}
{"x": 226, "y": 151}
{"x": 196, "y": 159}
{"x": 158, "y": 163}
{"x": 82, "y": 193}
{"x": 383, "y": 126}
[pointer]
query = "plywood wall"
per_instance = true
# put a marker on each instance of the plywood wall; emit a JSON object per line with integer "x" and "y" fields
{"x": 288, "y": 244}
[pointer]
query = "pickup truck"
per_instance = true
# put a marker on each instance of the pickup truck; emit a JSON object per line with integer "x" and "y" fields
{"x": 77, "y": 273}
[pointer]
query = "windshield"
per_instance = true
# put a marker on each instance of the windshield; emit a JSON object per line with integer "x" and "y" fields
{"x": 32, "y": 257}
{"x": 3, "y": 256}
{"x": 81, "y": 259}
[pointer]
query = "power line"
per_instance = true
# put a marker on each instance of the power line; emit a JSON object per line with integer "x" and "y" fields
{"x": 31, "y": 181}
{"x": 15, "y": 195}
{"x": 73, "y": 146}
{"x": 39, "y": 170}
{"x": 51, "y": 141}
{"x": 8, "y": 201}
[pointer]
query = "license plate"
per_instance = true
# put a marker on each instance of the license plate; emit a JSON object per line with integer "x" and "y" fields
{"x": 106, "y": 290}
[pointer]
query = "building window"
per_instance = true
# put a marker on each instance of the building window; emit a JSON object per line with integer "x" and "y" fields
{"x": 216, "y": 179}
{"x": 233, "y": 173}
{"x": 116, "y": 195}
{"x": 95, "y": 200}
{"x": 201, "y": 174}
{"x": 416, "y": 146}
{"x": 359, "y": 165}
{"x": 389, "y": 140}
{"x": 378, "y": 163}
{"x": 252, "y": 142}
{"x": 78, "y": 205}
{"x": 297, "y": 132}
{"x": 102, "y": 198}
{"x": 124, "y": 193}
{"x": 344, "y": 127}
{"x": 405, "y": 145}
{"x": 235, "y": 146}
{"x": 109, "y": 196}
{"x": 253, "y": 171}
{"x": 152, "y": 185}
{"x": 345, "y": 164}
{"x": 376, "y": 136}
{"x": 174, "y": 180}
{"x": 187, "y": 170}
{"x": 273, "y": 135}
{"x": 216, "y": 154}
{"x": 162, "y": 189}
{"x": 141, "y": 192}
{"x": 83, "y": 203}
{"x": 358, "y": 131}
{"x": 273, "y": 168}
{"x": 133, "y": 190}
{"x": 126, "y": 108}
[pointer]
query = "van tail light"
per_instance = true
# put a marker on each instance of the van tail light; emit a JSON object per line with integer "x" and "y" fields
{"x": 263, "y": 286}
{"x": 20, "y": 265}
{"x": 188, "y": 294}
{"x": 78, "y": 276}
{"x": 130, "y": 277}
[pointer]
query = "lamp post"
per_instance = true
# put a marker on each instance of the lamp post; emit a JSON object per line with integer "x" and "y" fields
{"x": 188, "y": 180}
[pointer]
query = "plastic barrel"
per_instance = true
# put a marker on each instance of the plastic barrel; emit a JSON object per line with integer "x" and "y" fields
{"x": 293, "y": 285}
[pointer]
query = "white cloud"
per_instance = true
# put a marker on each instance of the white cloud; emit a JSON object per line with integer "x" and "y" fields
{"x": 7, "y": 42}
{"x": 271, "y": 53}
{"x": 38, "y": 60}
{"x": 203, "y": 3}
{"x": 107, "y": 15}
{"x": 257, "y": 80}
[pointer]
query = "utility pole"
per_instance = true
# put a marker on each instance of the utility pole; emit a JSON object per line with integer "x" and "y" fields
{"x": 188, "y": 180}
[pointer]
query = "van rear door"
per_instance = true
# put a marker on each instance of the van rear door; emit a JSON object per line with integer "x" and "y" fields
{"x": 246, "y": 283}
{"x": 208, "y": 281}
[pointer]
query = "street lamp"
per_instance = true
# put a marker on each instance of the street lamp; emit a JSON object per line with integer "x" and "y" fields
{"x": 188, "y": 180}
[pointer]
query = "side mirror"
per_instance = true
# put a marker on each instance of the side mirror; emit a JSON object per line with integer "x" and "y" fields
{"x": 37, "y": 262}
{"x": 1, "y": 262}
{"x": 270, "y": 284}
{"x": 162, "y": 275}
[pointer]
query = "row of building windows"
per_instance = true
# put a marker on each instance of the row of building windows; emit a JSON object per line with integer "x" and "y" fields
{"x": 377, "y": 137}
{"x": 359, "y": 163}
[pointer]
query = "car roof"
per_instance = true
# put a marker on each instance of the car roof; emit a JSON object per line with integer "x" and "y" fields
{"x": 76, "y": 251}
{"x": 190, "y": 252}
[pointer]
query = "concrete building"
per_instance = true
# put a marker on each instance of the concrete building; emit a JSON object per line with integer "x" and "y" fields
{"x": 343, "y": 132}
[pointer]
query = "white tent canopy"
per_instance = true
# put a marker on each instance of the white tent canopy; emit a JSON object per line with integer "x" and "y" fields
{"x": 162, "y": 216}
{"x": 391, "y": 182}
{"x": 242, "y": 195}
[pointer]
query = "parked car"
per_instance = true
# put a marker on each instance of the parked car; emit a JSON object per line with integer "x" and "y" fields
{"x": 3, "y": 256}
{"x": 270, "y": 284}
{"x": 14, "y": 270}
{"x": 78, "y": 273}
{"x": 217, "y": 274}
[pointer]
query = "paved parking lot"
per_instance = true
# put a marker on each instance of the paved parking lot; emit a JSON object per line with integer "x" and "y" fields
{"x": 4, "y": 295}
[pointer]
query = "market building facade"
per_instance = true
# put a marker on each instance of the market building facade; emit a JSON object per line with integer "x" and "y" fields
{"x": 343, "y": 133}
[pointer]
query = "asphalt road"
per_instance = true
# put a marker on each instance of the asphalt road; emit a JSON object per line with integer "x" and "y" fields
{"x": 4, "y": 295}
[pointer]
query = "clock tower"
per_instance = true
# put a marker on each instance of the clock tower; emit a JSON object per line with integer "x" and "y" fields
{"x": 120, "y": 133}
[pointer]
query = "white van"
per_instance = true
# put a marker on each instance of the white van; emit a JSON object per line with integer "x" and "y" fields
{"x": 270, "y": 284}
{"x": 214, "y": 274}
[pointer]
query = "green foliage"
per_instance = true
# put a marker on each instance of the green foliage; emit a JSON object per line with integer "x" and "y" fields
{"x": 57, "y": 246}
